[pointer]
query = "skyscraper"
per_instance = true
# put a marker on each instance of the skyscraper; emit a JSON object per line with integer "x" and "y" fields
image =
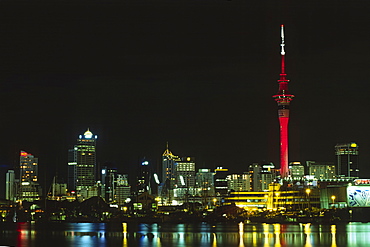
{"x": 347, "y": 159}
{"x": 82, "y": 165}
{"x": 122, "y": 189}
{"x": 204, "y": 181}
{"x": 10, "y": 185}
{"x": 185, "y": 168}
{"x": 29, "y": 189}
{"x": 169, "y": 168}
{"x": 283, "y": 98}
{"x": 108, "y": 180}
{"x": 221, "y": 182}
{"x": 185, "y": 177}
{"x": 143, "y": 178}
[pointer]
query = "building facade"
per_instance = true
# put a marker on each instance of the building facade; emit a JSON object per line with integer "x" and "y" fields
{"x": 108, "y": 185}
{"x": 28, "y": 187}
{"x": 122, "y": 189}
{"x": 238, "y": 182}
{"x": 82, "y": 166}
{"x": 10, "y": 189}
{"x": 143, "y": 178}
{"x": 221, "y": 184}
{"x": 347, "y": 159}
{"x": 297, "y": 170}
{"x": 321, "y": 170}
{"x": 169, "y": 162}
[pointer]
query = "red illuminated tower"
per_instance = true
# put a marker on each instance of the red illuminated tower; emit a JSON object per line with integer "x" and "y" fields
{"x": 283, "y": 98}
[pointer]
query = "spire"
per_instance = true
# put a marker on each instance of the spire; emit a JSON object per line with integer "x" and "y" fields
{"x": 282, "y": 41}
{"x": 167, "y": 152}
{"x": 282, "y": 52}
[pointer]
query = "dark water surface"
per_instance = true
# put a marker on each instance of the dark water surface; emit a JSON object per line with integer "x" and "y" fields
{"x": 202, "y": 234}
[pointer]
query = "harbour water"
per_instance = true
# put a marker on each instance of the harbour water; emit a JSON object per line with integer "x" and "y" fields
{"x": 202, "y": 234}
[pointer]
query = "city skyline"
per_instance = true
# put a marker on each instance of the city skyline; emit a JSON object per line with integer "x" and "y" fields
{"x": 141, "y": 74}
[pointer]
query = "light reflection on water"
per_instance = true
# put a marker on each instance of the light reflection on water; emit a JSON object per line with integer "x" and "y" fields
{"x": 158, "y": 235}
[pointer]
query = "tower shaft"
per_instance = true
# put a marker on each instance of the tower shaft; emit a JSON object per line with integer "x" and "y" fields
{"x": 283, "y": 98}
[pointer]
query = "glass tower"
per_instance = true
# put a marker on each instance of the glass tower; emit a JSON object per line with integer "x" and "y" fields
{"x": 82, "y": 163}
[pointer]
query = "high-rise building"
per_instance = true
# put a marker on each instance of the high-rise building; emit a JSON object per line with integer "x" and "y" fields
{"x": 108, "y": 178}
{"x": 347, "y": 159}
{"x": 169, "y": 169}
{"x": 185, "y": 172}
{"x": 29, "y": 188}
{"x": 204, "y": 180}
{"x": 143, "y": 178}
{"x": 261, "y": 176}
{"x": 122, "y": 189}
{"x": 255, "y": 176}
{"x": 283, "y": 98}
{"x": 185, "y": 177}
{"x": 267, "y": 178}
{"x": 10, "y": 186}
{"x": 82, "y": 166}
{"x": 321, "y": 170}
{"x": 221, "y": 184}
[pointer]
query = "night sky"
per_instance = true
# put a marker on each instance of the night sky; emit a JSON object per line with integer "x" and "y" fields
{"x": 199, "y": 74}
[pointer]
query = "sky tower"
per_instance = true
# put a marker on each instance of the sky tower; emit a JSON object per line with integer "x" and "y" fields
{"x": 283, "y": 98}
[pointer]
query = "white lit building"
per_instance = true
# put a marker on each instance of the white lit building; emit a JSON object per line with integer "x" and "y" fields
{"x": 238, "y": 182}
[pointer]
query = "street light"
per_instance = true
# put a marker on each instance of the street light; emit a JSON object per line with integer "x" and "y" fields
{"x": 333, "y": 198}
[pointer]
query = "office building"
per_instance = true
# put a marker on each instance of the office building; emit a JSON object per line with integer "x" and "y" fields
{"x": 321, "y": 170}
{"x": 347, "y": 159}
{"x": 108, "y": 178}
{"x": 297, "y": 170}
{"x": 82, "y": 166}
{"x": 10, "y": 188}
{"x": 122, "y": 189}
{"x": 28, "y": 187}
{"x": 168, "y": 182}
{"x": 185, "y": 177}
{"x": 204, "y": 180}
{"x": 143, "y": 178}
{"x": 239, "y": 182}
{"x": 185, "y": 172}
{"x": 221, "y": 182}
{"x": 169, "y": 168}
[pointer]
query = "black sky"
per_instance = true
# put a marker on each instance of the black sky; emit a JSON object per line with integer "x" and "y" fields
{"x": 199, "y": 74}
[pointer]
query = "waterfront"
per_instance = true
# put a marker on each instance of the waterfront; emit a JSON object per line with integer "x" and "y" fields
{"x": 202, "y": 234}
